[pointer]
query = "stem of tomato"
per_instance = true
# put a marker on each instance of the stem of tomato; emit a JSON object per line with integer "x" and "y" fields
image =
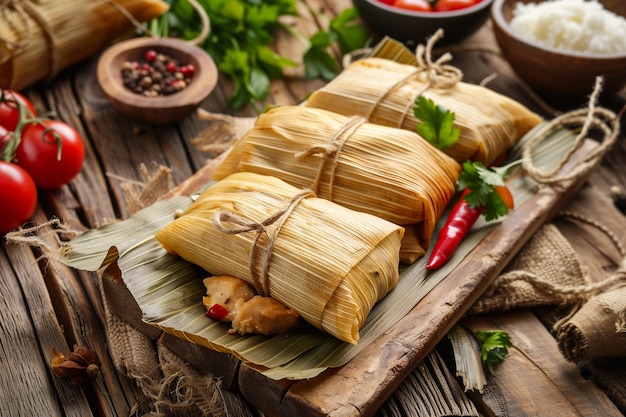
{"x": 57, "y": 140}
{"x": 8, "y": 153}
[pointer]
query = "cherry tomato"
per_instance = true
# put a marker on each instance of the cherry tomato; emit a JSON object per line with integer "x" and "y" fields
{"x": 9, "y": 111}
{"x": 18, "y": 194}
{"x": 505, "y": 195}
{"x": 415, "y": 5}
{"x": 448, "y": 5}
{"x": 51, "y": 151}
{"x": 389, "y": 2}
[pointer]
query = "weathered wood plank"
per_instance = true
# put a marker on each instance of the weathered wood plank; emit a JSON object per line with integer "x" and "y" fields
{"x": 535, "y": 379}
{"x": 25, "y": 380}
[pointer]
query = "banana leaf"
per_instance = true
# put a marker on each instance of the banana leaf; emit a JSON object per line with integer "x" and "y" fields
{"x": 169, "y": 290}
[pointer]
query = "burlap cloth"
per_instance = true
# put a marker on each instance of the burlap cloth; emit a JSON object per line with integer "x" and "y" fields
{"x": 548, "y": 272}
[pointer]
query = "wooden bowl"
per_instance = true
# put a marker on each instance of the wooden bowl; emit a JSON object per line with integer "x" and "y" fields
{"x": 162, "y": 109}
{"x": 553, "y": 72}
{"x": 416, "y": 27}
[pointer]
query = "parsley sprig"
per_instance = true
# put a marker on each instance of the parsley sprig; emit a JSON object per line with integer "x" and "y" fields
{"x": 242, "y": 33}
{"x": 436, "y": 123}
{"x": 494, "y": 346}
{"x": 482, "y": 182}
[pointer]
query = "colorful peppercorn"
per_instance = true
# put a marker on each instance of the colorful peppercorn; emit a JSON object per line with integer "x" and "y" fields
{"x": 159, "y": 75}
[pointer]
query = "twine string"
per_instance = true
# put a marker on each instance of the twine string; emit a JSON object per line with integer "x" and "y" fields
{"x": 331, "y": 149}
{"x": 438, "y": 74}
{"x": 604, "y": 120}
{"x": 233, "y": 224}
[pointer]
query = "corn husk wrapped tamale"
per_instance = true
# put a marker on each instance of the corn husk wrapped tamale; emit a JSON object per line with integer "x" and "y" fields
{"x": 390, "y": 173}
{"x": 329, "y": 263}
{"x": 384, "y": 92}
{"x": 40, "y": 38}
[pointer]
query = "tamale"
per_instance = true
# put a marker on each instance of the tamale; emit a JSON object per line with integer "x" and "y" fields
{"x": 327, "y": 262}
{"x": 40, "y": 38}
{"x": 390, "y": 173}
{"x": 384, "y": 92}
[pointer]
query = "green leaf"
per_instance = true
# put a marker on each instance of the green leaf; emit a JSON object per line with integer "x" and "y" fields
{"x": 435, "y": 123}
{"x": 347, "y": 32}
{"x": 482, "y": 182}
{"x": 318, "y": 63}
{"x": 494, "y": 346}
{"x": 272, "y": 62}
{"x": 258, "y": 84}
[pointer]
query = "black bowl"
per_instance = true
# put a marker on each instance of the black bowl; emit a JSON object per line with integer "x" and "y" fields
{"x": 416, "y": 27}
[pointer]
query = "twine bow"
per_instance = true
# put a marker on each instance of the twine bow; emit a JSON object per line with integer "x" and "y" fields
{"x": 331, "y": 149}
{"x": 439, "y": 74}
{"x": 230, "y": 223}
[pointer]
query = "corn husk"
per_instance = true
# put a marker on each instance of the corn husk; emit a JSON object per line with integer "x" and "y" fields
{"x": 384, "y": 92}
{"x": 40, "y": 38}
{"x": 328, "y": 263}
{"x": 390, "y": 173}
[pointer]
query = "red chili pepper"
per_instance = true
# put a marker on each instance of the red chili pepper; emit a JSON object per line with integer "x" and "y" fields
{"x": 460, "y": 220}
{"x": 217, "y": 312}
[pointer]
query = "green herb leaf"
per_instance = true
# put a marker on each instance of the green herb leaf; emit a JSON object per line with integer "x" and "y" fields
{"x": 494, "y": 346}
{"x": 348, "y": 34}
{"x": 435, "y": 123}
{"x": 318, "y": 63}
{"x": 482, "y": 182}
{"x": 240, "y": 36}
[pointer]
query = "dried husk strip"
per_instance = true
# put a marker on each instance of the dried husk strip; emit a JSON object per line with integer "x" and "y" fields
{"x": 391, "y": 173}
{"x": 384, "y": 91}
{"x": 40, "y": 38}
{"x": 328, "y": 263}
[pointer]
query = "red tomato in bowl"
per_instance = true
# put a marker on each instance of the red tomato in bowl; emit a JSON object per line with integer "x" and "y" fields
{"x": 51, "y": 151}
{"x": 9, "y": 110}
{"x": 414, "y": 5}
{"x": 18, "y": 194}
{"x": 449, "y": 5}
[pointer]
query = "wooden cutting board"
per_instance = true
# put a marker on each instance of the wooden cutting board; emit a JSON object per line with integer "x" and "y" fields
{"x": 361, "y": 386}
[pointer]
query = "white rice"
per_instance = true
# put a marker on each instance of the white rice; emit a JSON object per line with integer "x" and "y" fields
{"x": 571, "y": 25}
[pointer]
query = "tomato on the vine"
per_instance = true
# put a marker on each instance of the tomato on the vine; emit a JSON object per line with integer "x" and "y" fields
{"x": 51, "y": 151}
{"x": 414, "y": 5}
{"x": 449, "y": 5}
{"x": 9, "y": 110}
{"x": 18, "y": 194}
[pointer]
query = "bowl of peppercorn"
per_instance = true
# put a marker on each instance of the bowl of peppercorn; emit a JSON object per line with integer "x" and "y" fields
{"x": 156, "y": 80}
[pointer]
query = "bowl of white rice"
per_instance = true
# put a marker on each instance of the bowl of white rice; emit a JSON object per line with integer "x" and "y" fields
{"x": 559, "y": 47}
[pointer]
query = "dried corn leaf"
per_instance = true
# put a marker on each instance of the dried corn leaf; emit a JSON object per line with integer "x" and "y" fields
{"x": 40, "y": 38}
{"x": 329, "y": 263}
{"x": 390, "y": 173}
{"x": 384, "y": 92}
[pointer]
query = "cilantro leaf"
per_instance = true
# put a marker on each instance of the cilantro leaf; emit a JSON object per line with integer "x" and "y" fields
{"x": 435, "y": 123}
{"x": 318, "y": 63}
{"x": 242, "y": 32}
{"x": 482, "y": 182}
{"x": 494, "y": 346}
{"x": 346, "y": 32}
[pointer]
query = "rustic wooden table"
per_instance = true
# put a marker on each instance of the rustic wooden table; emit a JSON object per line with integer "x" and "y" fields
{"x": 44, "y": 304}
